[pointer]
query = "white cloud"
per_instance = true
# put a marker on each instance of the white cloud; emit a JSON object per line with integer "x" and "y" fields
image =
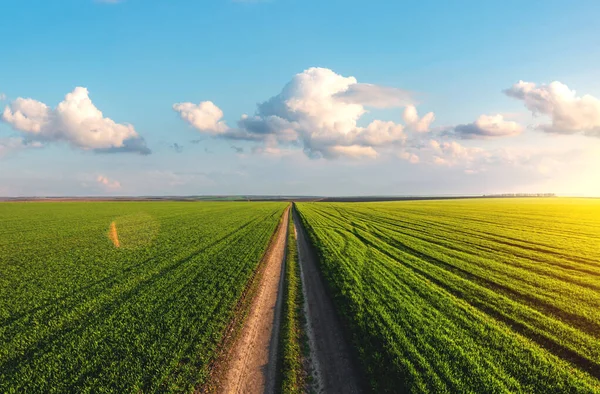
{"x": 569, "y": 113}
{"x": 27, "y": 115}
{"x": 205, "y": 116}
{"x": 379, "y": 133}
{"x": 318, "y": 110}
{"x": 412, "y": 120}
{"x": 108, "y": 183}
{"x": 534, "y": 162}
{"x": 75, "y": 120}
{"x": 2, "y": 96}
{"x": 488, "y": 126}
{"x": 310, "y": 97}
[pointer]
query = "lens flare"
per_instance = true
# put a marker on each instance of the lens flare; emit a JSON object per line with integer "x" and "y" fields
{"x": 134, "y": 231}
{"x": 113, "y": 235}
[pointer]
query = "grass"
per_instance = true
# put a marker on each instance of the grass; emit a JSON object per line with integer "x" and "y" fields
{"x": 466, "y": 296}
{"x": 291, "y": 372}
{"x": 78, "y": 314}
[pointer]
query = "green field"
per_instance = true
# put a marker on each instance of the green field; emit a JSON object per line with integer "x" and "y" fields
{"x": 494, "y": 295}
{"x": 291, "y": 377}
{"x": 78, "y": 314}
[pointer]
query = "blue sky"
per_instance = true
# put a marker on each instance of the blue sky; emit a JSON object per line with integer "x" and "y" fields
{"x": 138, "y": 58}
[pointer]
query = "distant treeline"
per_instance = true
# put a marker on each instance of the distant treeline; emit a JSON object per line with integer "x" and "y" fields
{"x": 521, "y": 195}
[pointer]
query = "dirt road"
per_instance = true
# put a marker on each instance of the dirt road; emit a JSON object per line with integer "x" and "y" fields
{"x": 251, "y": 367}
{"x": 333, "y": 370}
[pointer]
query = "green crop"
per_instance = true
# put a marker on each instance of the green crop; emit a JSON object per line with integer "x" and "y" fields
{"x": 291, "y": 373}
{"x": 79, "y": 314}
{"x": 466, "y": 295}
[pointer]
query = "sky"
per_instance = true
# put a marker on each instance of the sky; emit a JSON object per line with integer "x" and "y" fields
{"x": 299, "y": 97}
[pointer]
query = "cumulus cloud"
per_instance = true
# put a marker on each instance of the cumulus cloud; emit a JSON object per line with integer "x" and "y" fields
{"x": 108, "y": 183}
{"x": 378, "y": 133}
{"x": 412, "y": 120}
{"x": 205, "y": 116}
{"x": 487, "y": 126}
{"x": 75, "y": 120}
{"x": 569, "y": 113}
{"x": 318, "y": 111}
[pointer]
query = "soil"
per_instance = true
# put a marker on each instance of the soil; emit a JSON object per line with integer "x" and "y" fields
{"x": 252, "y": 362}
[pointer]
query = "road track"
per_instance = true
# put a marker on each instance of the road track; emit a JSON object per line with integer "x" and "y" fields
{"x": 252, "y": 362}
{"x": 251, "y": 367}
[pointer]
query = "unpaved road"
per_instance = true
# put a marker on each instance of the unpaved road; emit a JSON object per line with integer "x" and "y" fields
{"x": 333, "y": 371}
{"x": 251, "y": 367}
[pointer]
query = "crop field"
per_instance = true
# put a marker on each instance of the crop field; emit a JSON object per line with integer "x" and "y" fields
{"x": 122, "y": 297}
{"x": 291, "y": 379}
{"x": 494, "y": 295}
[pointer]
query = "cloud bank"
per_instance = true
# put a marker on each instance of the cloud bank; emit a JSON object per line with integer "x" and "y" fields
{"x": 318, "y": 110}
{"x": 569, "y": 113}
{"x": 75, "y": 120}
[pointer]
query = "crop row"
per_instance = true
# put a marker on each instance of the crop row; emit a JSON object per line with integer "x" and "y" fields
{"x": 78, "y": 314}
{"x": 291, "y": 373}
{"x": 455, "y": 296}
